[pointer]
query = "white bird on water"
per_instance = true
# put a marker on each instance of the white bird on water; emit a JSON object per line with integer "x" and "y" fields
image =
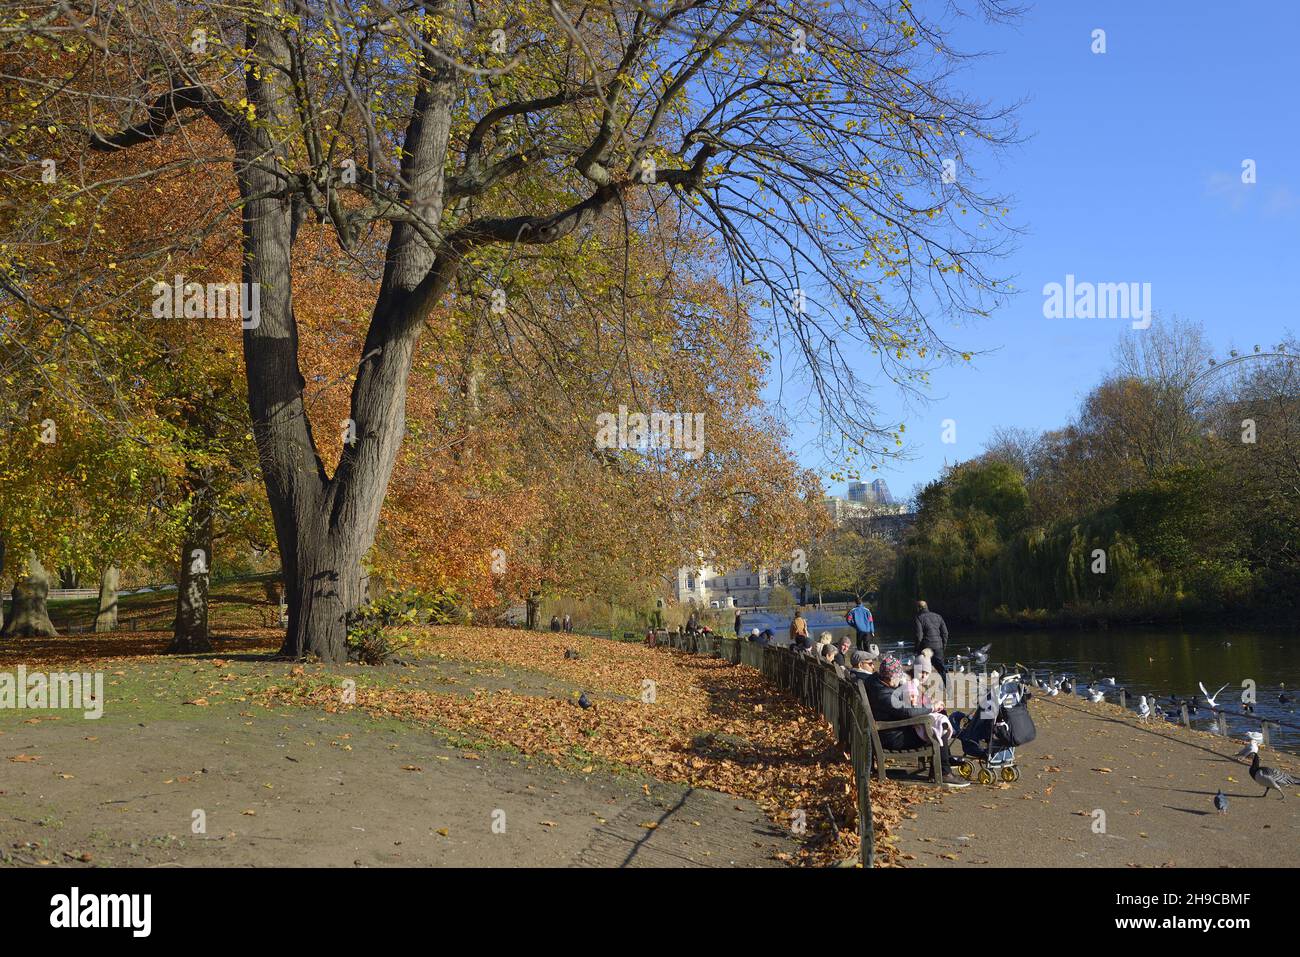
{"x": 1209, "y": 698}
{"x": 1108, "y": 681}
{"x": 1144, "y": 709}
{"x": 1253, "y": 740}
{"x": 1096, "y": 695}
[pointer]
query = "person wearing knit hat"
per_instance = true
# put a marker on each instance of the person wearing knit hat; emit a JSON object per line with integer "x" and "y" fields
{"x": 887, "y": 698}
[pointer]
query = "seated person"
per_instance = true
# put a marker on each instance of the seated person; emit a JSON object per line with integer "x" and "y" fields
{"x": 863, "y": 663}
{"x": 842, "y": 649}
{"x": 766, "y": 636}
{"x": 887, "y": 696}
{"x": 828, "y": 653}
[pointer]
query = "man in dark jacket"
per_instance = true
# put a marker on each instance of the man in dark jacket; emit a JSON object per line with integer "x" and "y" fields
{"x": 885, "y": 695}
{"x": 932, "y": 633}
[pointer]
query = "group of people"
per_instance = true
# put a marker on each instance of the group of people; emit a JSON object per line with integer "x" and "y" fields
{"x": 565, "y": 625}
{"x": 894, "y": 691}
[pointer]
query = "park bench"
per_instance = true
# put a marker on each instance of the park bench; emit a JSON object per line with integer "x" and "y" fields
{"x": 919, "y": 756}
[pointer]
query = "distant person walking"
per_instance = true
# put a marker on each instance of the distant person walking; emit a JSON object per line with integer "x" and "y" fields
{"x": 568, "y": 625}
{"x": 932, "y": 633}
{"x": 737, "y": 625}
{"x": 798, "y": 627}
{"x": 863, "y": 624}
{"x": 555, "y": 623}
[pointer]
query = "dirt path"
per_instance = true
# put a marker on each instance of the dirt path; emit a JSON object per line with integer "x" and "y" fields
{"x": 1153, "y": 784}
{"x": 306, "y": 789}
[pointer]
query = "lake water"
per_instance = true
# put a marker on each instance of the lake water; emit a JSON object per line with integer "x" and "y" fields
{"x": 1143, "y": 661}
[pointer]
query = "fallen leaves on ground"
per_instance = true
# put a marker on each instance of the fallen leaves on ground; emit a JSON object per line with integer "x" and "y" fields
{"x": 711, "y": 724}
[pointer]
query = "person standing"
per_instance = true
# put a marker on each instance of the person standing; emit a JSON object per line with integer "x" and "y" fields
{"x": 798, "y": 628}
{"x": 932, "y": 633}
{"x": 568, "y": 625}
{"x": 737, "y": 625}
{"x": 863, "y": 624}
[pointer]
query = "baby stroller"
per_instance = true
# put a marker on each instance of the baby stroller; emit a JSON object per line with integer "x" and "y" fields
{"x": 990, "y": 738}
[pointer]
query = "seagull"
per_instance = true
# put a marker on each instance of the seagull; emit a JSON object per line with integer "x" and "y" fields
{"x": 1144, "y": 709}
{"x": 1270, "y": 777}
{"x": 1108, "y": 681}
{"x": 1221, "y": 802}
{"x": 1096, "y": 695}
{"x": 1209, "y": 698}
{"x": 1253, "y": 740}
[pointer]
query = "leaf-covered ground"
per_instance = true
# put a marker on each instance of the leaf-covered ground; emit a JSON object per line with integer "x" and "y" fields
{"x": 683, "y": 719}
{"x": 678, "y": 717}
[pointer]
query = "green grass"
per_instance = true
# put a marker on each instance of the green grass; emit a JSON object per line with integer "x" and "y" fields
{"x": 234, "y": 604}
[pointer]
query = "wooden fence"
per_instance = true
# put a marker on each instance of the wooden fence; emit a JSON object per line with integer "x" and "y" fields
{"x": 842, "y": 703}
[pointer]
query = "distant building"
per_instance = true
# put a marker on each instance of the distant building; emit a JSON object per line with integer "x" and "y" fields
{"x": 742, "y": 586}
{"x": 870, "y": 507}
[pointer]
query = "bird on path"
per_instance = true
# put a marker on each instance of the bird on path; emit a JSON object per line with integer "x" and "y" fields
{"x": 1096, "y": 695}
{"x": 1221, "y": 802}
{"x": 1067, "y": 686}
{"x": 1269, "y": 778}
{"x": 1144, "y": 709}
{"x": 583, "y": 701}
{"x": 1253, "y": 740}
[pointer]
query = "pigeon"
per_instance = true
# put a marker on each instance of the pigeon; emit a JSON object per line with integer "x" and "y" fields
{"x": 1253, "y": 740}
{"x": 1209, "y": 698}
{"x": 584, "y": 702}
{"x": 1221, "y": 802}
{"x": 981, "y": 655}
{"x": 1270, "y": 777}
{"x": 571, "y": 653}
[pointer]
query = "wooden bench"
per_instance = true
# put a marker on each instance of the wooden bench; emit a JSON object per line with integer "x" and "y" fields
{"x": 918, "y": 757}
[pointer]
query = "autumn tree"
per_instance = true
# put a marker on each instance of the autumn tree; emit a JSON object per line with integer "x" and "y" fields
{"x": 813, "y": 145}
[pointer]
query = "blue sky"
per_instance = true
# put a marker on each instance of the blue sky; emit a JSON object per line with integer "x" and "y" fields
{"x": 1130, "y": 172}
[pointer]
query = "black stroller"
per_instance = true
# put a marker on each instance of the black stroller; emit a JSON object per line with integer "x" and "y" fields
{"x": 989, "y": 739}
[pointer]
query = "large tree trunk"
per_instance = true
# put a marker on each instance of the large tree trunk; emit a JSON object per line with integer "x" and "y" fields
{"x": 191, "y": 630}
{"x": 106, "y": 620}
{"x": 29, "y": 615}
{"x": 325, "y": 525}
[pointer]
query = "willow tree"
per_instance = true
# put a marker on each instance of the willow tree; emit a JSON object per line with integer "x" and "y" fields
{"x": 823, "y": 150}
